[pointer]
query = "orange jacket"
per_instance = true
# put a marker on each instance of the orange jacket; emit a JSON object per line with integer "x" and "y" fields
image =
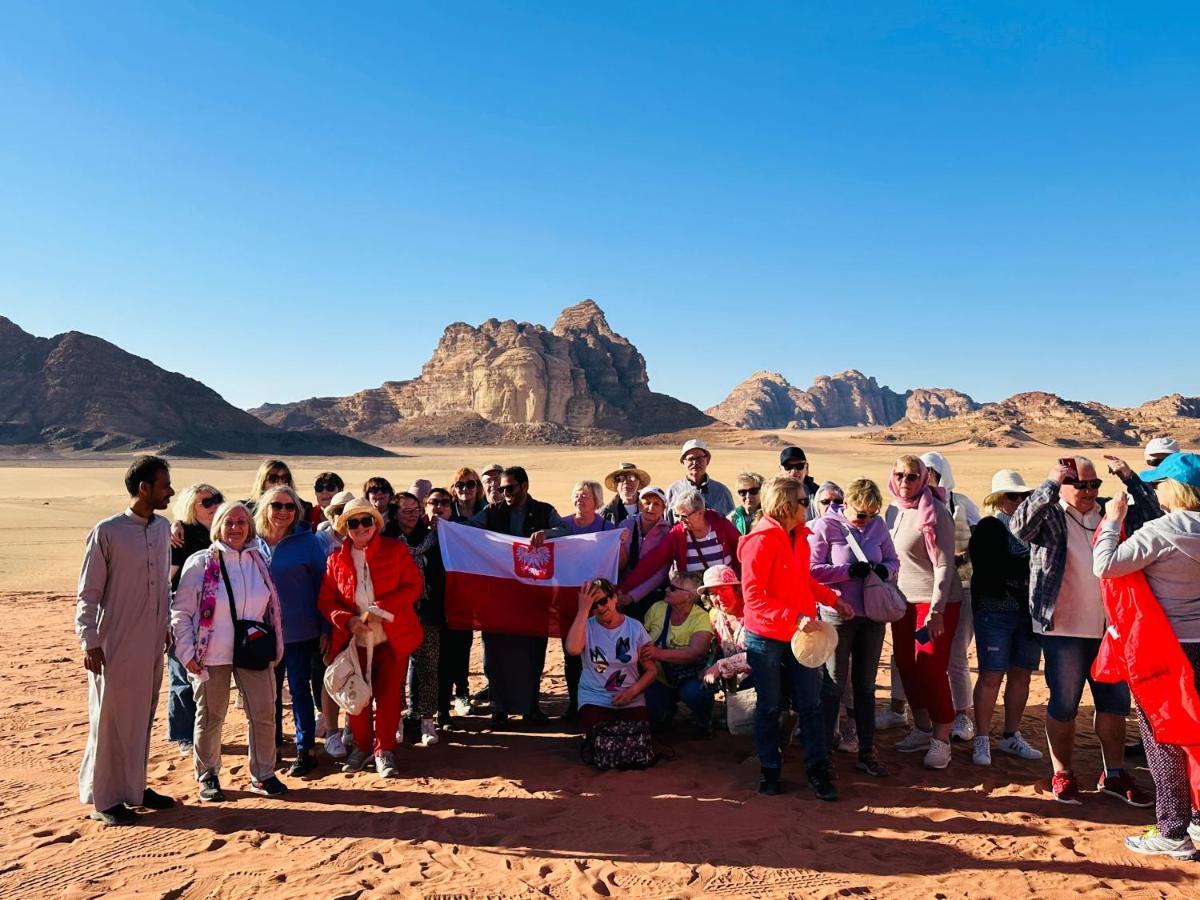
{"x": 396, "y": 581}
{"x": 776, "y": 582}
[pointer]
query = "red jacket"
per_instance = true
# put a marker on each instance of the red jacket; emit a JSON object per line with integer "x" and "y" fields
{"x": 673, "y": 548}
{"x": 397, "y": 583}
{"x": 776, "y": 583}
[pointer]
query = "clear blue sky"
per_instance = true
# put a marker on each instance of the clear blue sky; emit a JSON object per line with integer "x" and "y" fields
{"x": 285, "y": 200}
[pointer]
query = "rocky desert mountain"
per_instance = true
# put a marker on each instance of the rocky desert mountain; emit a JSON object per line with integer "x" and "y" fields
{"x": 78, "y": 392}
{"x": 509, "y": 382}
{"x": 766, "y": 400}
{"x": 1048, "y": 419}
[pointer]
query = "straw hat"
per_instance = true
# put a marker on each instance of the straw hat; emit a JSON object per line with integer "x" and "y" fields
{"x": 715, "y": 576}
{"x": 814, "y": 648}
{"x": 341, "y": 498}
{"x": 354, "y": 509}
{"x": 1006, "y": 481}
{"x": 643, "y": 477}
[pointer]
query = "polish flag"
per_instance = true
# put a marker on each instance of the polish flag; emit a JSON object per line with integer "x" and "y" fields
{"x": 499, "y": 583}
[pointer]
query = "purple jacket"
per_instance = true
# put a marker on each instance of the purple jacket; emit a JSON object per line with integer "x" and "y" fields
{"x": 832, "y": 556}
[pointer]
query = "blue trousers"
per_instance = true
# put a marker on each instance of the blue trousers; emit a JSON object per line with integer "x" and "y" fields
{"x": 181, "y": 705}
{"x": 298, "y": 666}
{"x": 662, "y": 698}
{"x": 771, "y": 661}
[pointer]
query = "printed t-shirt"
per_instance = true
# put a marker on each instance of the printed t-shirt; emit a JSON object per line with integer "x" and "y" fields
{"x": 610, "y": 662}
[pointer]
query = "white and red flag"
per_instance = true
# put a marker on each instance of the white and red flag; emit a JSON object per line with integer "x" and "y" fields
{"x": 499, "y": 583}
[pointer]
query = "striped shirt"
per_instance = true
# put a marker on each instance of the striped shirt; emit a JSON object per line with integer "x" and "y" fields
{"x": 705, "y": 553}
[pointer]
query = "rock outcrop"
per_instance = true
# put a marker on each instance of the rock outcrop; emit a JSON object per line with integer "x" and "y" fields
{"x": 78, "y": 392}
{"x": 509, "y": 382}
{"x": 766, "y": 400}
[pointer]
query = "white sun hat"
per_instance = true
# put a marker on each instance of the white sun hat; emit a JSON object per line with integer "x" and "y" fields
{"x": 814, "y": 648}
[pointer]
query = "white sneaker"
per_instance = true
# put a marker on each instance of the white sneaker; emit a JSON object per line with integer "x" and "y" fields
{"x": 334, "y": 746}
{"x": 889, "y": 718}
{"x": 848, "y": 741}
{"x": 462, "y": 706}
{"x": 938, "y": 756}
{"x": 385, "y": 764}
{"x": 1194, "y": 831}
{"x": 429, "y": 735}
{"x": 914, "y": 741}
{"x": 963, "y": 728}
{"x": 981, "y": 755}
{"x": 1018, "y": 746}
{"x": 1151, "y": 843}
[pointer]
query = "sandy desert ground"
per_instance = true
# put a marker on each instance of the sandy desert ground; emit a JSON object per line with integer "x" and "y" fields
{"x": 516, "y": 814}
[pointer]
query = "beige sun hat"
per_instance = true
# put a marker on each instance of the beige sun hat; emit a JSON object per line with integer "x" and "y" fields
{"x": 814, "y": 648}
{"x": 715, "y": 576}
{"x": 1006, "y": 481}
{"x": 643, "y": 477}
{"x": 341, "y": 498}
{"x": 356, "y": 508}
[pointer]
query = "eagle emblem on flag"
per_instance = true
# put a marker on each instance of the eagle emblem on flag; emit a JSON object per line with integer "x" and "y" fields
{"x": 533, "y": 562}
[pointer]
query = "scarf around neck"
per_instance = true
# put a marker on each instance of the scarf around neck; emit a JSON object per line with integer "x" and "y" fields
{"x": 924, "y": 503}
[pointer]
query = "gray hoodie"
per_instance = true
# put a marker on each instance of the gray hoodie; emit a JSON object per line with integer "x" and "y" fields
{"x": 1168, "y": 549}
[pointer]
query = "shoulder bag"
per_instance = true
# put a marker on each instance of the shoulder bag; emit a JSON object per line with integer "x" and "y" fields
{"x": 345, "y": 682}
{"x": 882, "y": 600}
{"x": 253, "y": 642}
{"x": 677, "y": 673}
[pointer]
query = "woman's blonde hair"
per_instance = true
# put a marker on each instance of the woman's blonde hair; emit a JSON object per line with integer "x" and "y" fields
{"x": 749, "y": 478}
{"x": 185, "y": 504}
{"x": 262, "y": 515}
{"x": 863, "y": 493}
{"x": 223, "y": 512}
{"x": 595, "y": 487}
{"x": 781, "y": 497}
{"x": 911, "y": 463}
{"x": 1178, "y": 495}
{"x": 260, "y": 477}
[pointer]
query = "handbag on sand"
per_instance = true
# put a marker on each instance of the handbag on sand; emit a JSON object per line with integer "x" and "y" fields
{"x": 344, "y": 680}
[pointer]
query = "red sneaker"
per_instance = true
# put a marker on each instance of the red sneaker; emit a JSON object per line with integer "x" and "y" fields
{"x": 1066, "y": 788}
{"x": 1123, "y": 787}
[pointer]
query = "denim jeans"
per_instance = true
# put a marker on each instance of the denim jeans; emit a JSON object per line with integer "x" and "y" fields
{"x": 297, "y": 664}
{"x": 856, "y": 660}
{"x": 770, "y": 662}
{"x": 181, "y": 704}
{"x": 661, "y": 700}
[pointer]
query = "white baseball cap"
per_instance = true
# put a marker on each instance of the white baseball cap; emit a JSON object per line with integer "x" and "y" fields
{"x": 653, "y": 491}
{"x": 1162, "y": 446}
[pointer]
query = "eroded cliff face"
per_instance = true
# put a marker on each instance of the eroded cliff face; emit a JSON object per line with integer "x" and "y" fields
{"x": 580, "y": 377}
{"x": 768, "y": 400}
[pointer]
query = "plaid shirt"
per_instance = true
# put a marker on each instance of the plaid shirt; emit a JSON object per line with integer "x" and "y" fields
{"x": 1042, "y": 523}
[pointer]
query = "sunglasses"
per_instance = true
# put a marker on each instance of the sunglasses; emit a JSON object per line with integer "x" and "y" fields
{"x": 437, "y": 501}
{"x": 364, "y": 522}
{"x": 626, "y": 477}
{"x": 909, "y": 477}
{"x": 825, "y": 501}
{"x": 468, "y": 485}
{"x": 276, "y": 478}
{"x": 210, "y": 502}
{"x": 377, "y": 490}
{"x": 603, "y": 601}
{"x": 796, "y": 467}
{"x": 804, "y": 501}
{"x": 277, "y": 505}
{"x": 860, "y": 516}
{"x": 1015, "y": 498}
{"x": 322, "y": 486}
{"x": 1091, "y": 484}
{"x": 509, "y": 489}
{"x": 748, "y": 492}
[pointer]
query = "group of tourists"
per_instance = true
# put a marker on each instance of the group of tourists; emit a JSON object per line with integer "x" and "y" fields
{"x": 775, "y": 596}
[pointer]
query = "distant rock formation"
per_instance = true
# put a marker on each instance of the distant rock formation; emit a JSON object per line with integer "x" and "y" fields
{"x": 78, "y": 392}
{"x": 509, "y": 382}
{"x": 766, "y": 400}
{"x": 1039, "y": 417}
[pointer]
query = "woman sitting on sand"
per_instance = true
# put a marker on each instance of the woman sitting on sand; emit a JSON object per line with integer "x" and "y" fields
{"x": 369, "y": 595}
{"x": 723, "y": 592}
{"x": 202, "y": 621}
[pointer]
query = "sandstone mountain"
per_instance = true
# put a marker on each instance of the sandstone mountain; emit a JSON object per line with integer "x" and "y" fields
{"x": 78, "y": 392}
{"x": 766, "y": 400}
{"x": 508, "y": 382}
{"x": 1038, "y": 417}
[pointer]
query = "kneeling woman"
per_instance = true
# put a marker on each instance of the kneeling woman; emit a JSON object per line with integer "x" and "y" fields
{"x": 369, "y": 595}
{"x": 230, "y": 580}
{"x": 614, "y": 680}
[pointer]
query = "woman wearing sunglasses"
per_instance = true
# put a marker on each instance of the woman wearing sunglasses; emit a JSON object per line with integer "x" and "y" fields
{"x": 860, "y": 640}
{"x": 369, "y": 595}
{"x": 746, "y": 514}
{"x": 297, "y": 560}
{"x": 194, "y": 510}
{"x": 923, "y": 534}
{"x": 271, "y": 473}
{"x": 468, "y": 493}
{"x": 325, "y": 487}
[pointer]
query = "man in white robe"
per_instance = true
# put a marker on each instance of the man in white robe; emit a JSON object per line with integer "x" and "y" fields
{"x": 121, "y": 619}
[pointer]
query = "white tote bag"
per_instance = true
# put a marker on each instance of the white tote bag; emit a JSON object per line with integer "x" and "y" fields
{"x": 739, "y": 710}
{"x": 344, "y": 680}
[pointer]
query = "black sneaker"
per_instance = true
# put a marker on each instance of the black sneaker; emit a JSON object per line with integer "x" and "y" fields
{"x": 820, "y": 782}
{"x": 271, "y": 787}
{"x": 114, "y": 815}
{"x": 769, "y": 784}
{"x": 305, "y": 762}
{"x": 210, "y": 790}
{"x": 535, "y": 718}
{"x": 155, "y": 800}
{"x": 870, "y": 764}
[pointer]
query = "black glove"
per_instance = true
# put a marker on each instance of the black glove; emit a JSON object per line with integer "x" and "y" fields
{"x": 860, "y": 569}
{"x": 882, "y": 571}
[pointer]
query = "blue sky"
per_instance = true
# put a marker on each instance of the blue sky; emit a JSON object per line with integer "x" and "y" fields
{"x": 285, "y": 200}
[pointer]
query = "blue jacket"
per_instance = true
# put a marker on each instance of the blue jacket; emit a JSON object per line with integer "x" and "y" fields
{"x": 298, "y": 567}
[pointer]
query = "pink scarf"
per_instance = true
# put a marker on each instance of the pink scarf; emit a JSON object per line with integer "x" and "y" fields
{"x": 923, "y": 503}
